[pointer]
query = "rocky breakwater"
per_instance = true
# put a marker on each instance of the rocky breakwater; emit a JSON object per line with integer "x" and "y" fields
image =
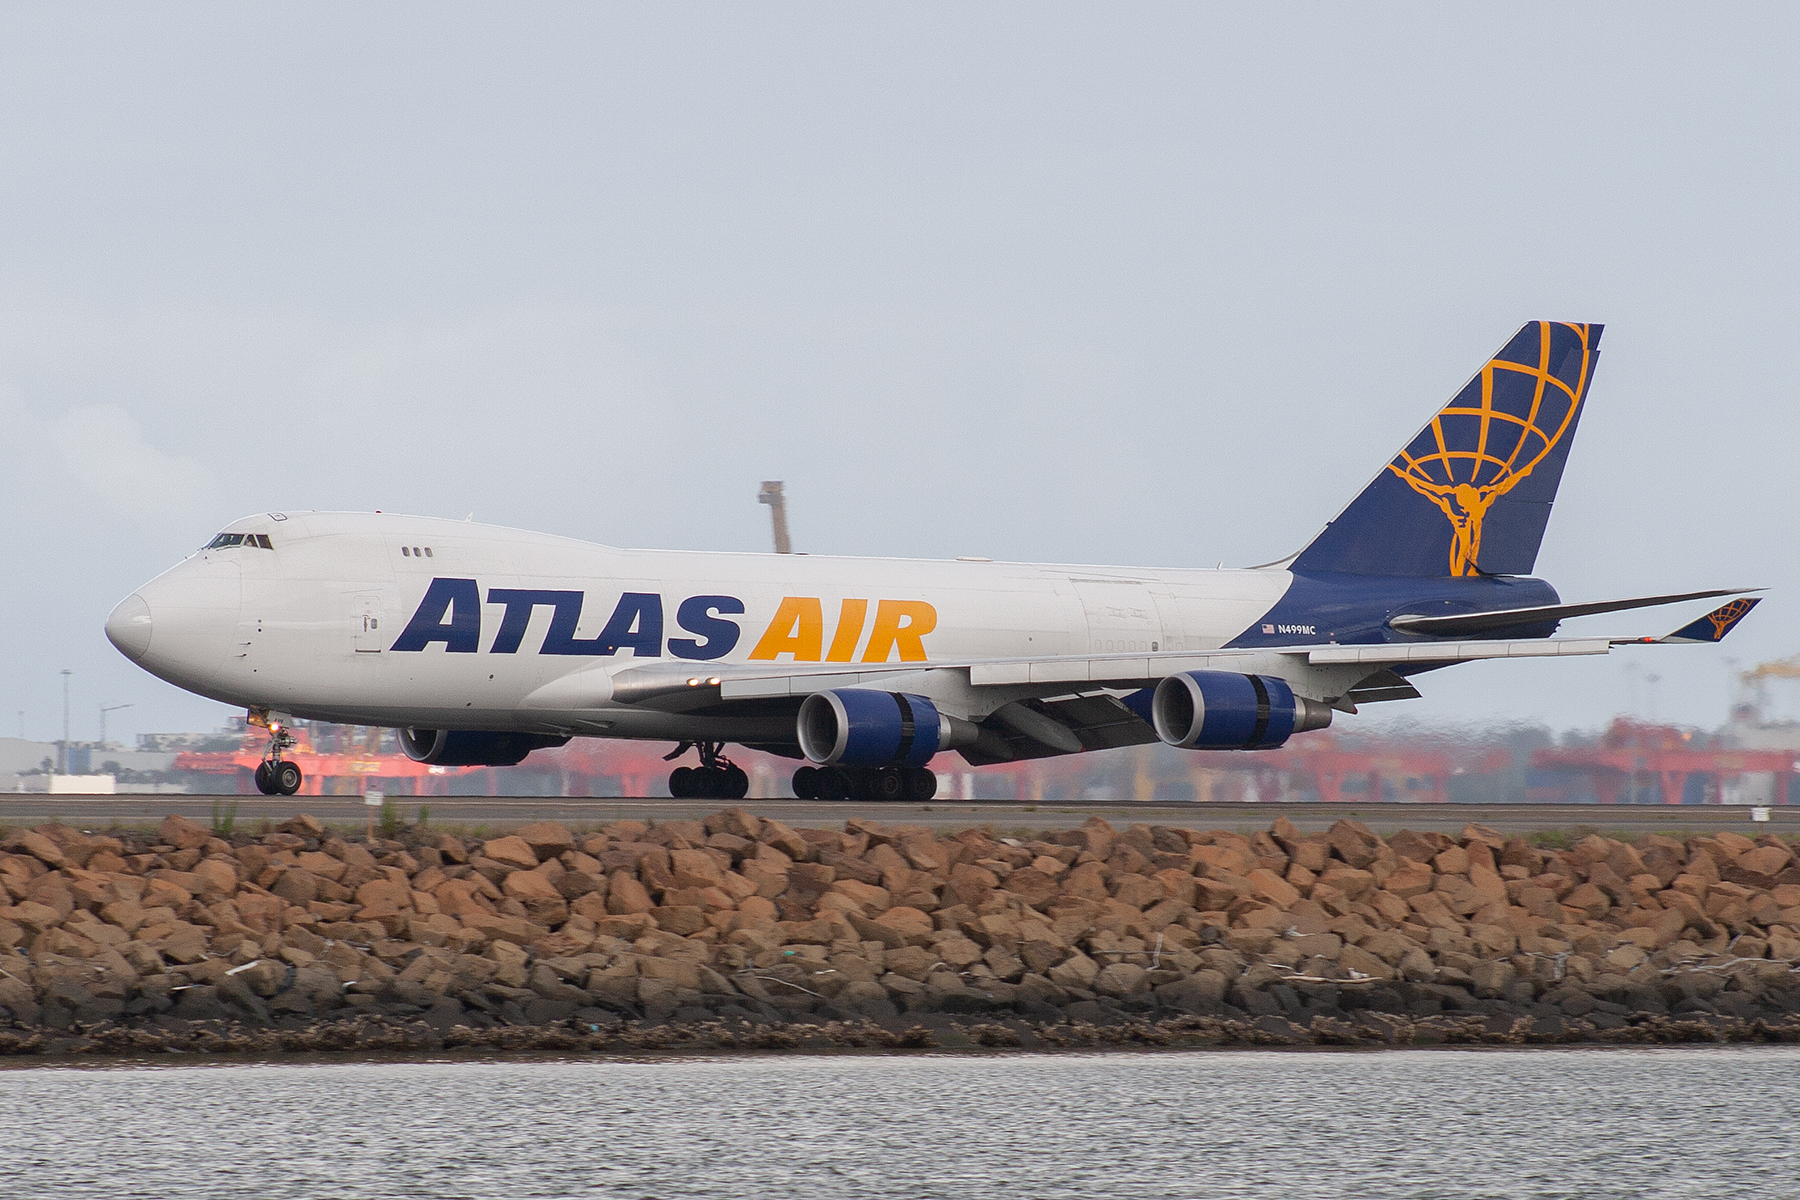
{"x": 738, "y": 931}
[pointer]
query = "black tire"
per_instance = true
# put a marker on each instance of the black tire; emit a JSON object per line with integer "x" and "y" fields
{"x": 287, "y": 778}
{"x": 806, "y": 783}
{"x": 889, "y": 785}
{"x": 834, "y": 784}
{"x": 264, "y": 784}
{"x": 737, "y": 784}
{"x": 922, "y": 784}
{"x": 681, "y": 783}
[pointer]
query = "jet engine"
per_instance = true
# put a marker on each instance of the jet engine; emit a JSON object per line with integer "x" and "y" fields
{"x": 1218, "y": 710}
{"x": 472, "y": 748}
{"x": 855, "y": 727}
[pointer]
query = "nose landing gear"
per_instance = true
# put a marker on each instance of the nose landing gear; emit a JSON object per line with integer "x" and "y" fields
{"x": 880, "y": 784}
{"x": 275, "y": 776}
{"x": 716, "y": 778}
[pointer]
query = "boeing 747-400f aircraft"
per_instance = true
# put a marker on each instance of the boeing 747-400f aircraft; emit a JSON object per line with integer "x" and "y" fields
{"x": 483, "y": 644}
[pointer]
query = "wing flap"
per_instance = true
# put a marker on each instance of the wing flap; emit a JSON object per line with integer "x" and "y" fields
{"x": 1453, "y": 652}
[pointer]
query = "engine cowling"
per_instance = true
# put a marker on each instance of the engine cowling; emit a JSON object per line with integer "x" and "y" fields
{"x": 854, "y": 727}
{"x": 1219, "y": 710}
{"x": 472, "y": 748}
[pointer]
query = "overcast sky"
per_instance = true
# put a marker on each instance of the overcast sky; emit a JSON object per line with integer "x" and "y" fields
{"x": 1137, "y": 284}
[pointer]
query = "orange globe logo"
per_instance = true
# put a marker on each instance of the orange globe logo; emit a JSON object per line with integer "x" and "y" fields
{"x": 1724, "y": 618}
{"x": 1476, "y": 452}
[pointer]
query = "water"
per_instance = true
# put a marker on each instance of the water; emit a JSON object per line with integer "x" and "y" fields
{"x": 1440, "y": 1124}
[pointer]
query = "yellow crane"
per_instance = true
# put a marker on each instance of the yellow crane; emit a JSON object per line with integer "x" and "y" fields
{"x": 1755, "y": 681}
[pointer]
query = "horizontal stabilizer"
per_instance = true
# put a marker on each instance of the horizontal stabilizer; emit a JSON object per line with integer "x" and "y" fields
{"x": 1714, "y": 625}
{"x": 1471, "y": 624}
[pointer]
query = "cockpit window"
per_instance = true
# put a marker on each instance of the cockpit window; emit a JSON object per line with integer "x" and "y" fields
{"x": 258, "y": 540}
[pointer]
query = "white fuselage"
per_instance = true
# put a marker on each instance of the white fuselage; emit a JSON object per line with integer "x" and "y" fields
{"x": 313, "y": 625}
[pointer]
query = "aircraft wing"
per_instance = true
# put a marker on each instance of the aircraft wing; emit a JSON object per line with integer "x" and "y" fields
{"x": 1064, "y": 704}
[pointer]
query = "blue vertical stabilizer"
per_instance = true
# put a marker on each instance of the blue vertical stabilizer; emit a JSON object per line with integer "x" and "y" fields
{"x": 1471, "y": 494}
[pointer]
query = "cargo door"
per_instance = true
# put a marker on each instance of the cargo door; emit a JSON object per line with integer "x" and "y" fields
{"x": 1121, "y": 616}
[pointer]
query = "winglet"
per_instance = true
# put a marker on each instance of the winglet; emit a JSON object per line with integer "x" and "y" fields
{"x": 1714, "y": 625}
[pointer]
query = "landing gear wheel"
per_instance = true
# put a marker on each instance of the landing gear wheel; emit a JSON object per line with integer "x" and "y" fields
{"x": 286, "y": 777}
{"x": 736, "y": 784}
{"x": 264, "y": 784}
{"x": 681, "y": 783}
{"x": 922, "y": 783}
{"x": 806, "y": 783}
{"x": 834, "y": 784}
{"x": 889, "y": 785}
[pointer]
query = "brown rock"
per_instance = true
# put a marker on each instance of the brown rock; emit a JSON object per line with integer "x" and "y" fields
{"x": 547, "y": 839}
{"x": 1033, "y": 886}
{"x": 1589, "y": 900}
{"x": 1272, "y": 887}
{"x": 511, "y": 851}
{"x": 1412, "y": 879}
{"x": 911, "y": 924}
{"x": 1178, "y": 885}
{"x": 1140, "y": 893}
{"x": 1488, "y": 884}
{"x": 1218, "y": 894}
{"x": 625, "y": 895}
{"x": 575, "y": 884}
{"x": 736, "y": 822}
{"x": 774, "y": 833}
{"x": 1077, "y": 970}
{"x": 869, "y": 899}
{"x": 305, "y": 825}
{"x": 544, "y": 904}
{"x": 34, "y": 918}
{"x": 217, "y": 875}
{"x": 1454, "y": 861}
{"x": 1353, "y": 883}
{"x": 694, "y": 868}
{"x": 1353, "y": 842}
{"x": 182, "y": 833}
{"x": 297, "y": 886}
{"x": 27, "y": 841}
{"x": 680, "y": 919}
{"x": 970, "y": 884}
{"x": 1120, "y": 979}
{"x": 1763, "y": 860}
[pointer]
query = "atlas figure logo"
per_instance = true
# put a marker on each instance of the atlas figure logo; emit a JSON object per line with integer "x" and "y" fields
{"x": 451, "y": 613}
{"x": 1490, "y": 439}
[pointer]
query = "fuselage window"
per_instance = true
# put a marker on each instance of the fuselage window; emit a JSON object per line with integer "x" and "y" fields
{"x": 262, "y": 539}
{"x": 415, "y": 552}
{"x": 406, "y": 551}
{"x": 428, "y": 552}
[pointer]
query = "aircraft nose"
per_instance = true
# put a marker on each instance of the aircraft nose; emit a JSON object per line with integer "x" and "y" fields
{"x": 129, "y": 627}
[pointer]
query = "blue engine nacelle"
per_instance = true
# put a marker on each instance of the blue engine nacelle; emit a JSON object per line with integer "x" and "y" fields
{"x": 1217, "y": 710}
{"x": 854, "y": 727}
{"x": 472, "y": 748}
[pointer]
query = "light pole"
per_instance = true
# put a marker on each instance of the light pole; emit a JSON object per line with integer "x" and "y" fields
{"x": 62, "y": 747}
{"x": 104, "y": 709}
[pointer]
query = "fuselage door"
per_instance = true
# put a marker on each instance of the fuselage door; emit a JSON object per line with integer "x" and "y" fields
{"x": 366, "y": 633}
{"x": 1121, "y": 616}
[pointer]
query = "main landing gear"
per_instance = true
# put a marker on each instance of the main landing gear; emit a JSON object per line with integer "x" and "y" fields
{"x": 716, "y": 778}
{"x": 865, "y": 783}
{"x": 275, "y": 776}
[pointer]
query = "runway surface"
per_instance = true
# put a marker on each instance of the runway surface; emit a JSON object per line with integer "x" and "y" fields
{"x": 471, "y": 812}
